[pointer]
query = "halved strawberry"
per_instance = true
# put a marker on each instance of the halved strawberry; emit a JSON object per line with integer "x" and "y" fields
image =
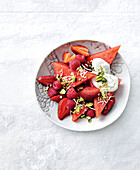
{"x": 75, "y": 116}
{"x": 67, "y": 57}
{"x": 79, "y": 49}
{"x": 107, "y": 55}
{"x": 100, "y": 105}
{"x": 89, "y": 93}
{"x": 63, "y": 111}
{"x": 46, "y": 80}
{"x": 58, "y": 98}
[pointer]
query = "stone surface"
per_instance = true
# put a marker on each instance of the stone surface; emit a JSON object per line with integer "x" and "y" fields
{"x": 29, "y": 30}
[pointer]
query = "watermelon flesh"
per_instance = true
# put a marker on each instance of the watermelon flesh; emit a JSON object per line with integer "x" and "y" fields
{"x": 75, "y": 116}
{"x": 107, "y": 55}
{"x": 64, "y": 70}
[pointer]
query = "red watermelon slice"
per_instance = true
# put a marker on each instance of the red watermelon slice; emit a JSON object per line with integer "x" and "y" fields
{"x": 107, "y": 55}
{"x": 75, "y": 116}
{"x": 100, "y": 105}
{"x": 64, "y": 70}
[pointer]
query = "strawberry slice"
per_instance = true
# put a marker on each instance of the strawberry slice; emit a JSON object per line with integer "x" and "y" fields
{"x": 63, "y": 69}
{"x": 79, "y": 49}
{"x": 67, "y": 57}
{"x": 58, "y": 98}
{"x": 75, "y": 116}
{"x": 46, "y": 80}
{"x": 100, "y": 105}
{"x": 89, "y": 93}
{"x": 107, "y": 55}
{"x": 63, "y": 111}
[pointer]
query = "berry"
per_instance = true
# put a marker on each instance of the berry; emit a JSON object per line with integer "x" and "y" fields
{"x": 74, "y": 63}
{"x": 90, "y": 113}
{"x": 46, "y": 80}
{"x": 67, "y": 57}
{"x": 81, "y": 58}
{"x": 72, "y": 94}
{"x": 57, "y": 85}
{"x": 58, "y": 97}
{"x": 52, "y": 92}
{"x": 79, "y": 49}
{"x": 109, "y": 106}
{"x": 89, "y": 93}
{"x": 70, "y": 104}
{"x": 62, "y": 110}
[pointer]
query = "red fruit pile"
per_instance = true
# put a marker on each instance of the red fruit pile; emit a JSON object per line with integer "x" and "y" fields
{"x": 72, "y": 87}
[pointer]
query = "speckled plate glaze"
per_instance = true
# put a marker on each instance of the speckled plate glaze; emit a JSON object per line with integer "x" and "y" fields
{"x": 118, "y": 67}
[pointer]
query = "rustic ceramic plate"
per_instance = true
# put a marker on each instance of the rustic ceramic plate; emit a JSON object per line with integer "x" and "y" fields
{"x": 118, "y": 67}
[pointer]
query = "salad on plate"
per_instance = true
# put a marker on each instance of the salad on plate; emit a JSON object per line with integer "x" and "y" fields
{"x": 82, "y": 84}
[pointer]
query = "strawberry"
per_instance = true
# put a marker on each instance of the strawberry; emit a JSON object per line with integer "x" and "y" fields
{"x": 57, "y": 85}
{"x": 52, "y": 92}
{"x": 79, "y": 49}
{"x": 74, "y": 63}
{"x": 70, "y": 104}
{"x": 67, "y": 57}
{"x": 58, "y": 98}
{"x": 46, "y": 80}
{"x": 90, "y": 113}
{"x": 109, "y": 106}
{"x": 72, "y": 94}
{"x": 62, "y": 110}
{"x": 107, "y": 55}
{"x": 89, "y": 93}
{"x": 75, "y": 116}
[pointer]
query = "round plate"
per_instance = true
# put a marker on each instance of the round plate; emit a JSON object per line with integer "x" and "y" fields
{"x": 118, "y": 67}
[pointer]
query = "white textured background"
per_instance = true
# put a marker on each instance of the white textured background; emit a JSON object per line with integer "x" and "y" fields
{"x": 29, "y": 30}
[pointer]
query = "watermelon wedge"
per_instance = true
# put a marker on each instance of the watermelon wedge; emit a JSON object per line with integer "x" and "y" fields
{"x": 75, "y": 116}
{"x": 100, "y": 105}
{"x": 107, "y": 55}
{"x": 64, "y": 70}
